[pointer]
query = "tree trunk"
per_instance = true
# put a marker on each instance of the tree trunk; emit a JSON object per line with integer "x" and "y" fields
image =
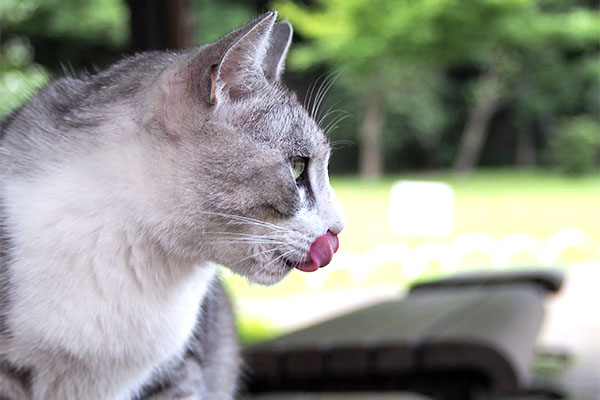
{"x": 487, "y": 99}
{"x": 160, "y": 24}
{"x": 370, "y": 152}
{"x": 525, "y": 156}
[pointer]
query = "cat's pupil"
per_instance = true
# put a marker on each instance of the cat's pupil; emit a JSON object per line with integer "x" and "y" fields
{"x": 298, "y": 164}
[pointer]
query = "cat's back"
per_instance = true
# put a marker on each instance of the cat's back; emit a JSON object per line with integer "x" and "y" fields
{"x": 72, "y": 109}
{"x": 81, "y": 102}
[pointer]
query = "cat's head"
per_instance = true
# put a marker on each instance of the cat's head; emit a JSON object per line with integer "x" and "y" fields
{"x": 250, "y": 165}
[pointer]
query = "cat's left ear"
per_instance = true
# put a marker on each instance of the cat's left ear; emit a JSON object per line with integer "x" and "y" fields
{"x": 279, "y": 43}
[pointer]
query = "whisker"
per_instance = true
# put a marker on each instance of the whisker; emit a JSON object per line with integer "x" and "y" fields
{"x": 240, "y": 236}
{"x": 263, "y": 252}
{"x": 272, "y": 227}
{"x": 327, "y": 114}
{"x": 337, "y": 144}
{"x": 333, "y": 124}
{"x": 248, "y": 220}
{"x": 316, "y": 102}
{"x": 313, "y": 107}
{"x": 278, "y": 258}
{"x": 308, "y": 95}
{"x": 309, "y": 99}
{"x": 323, "y": 90}
{"x": 241, "y": 241}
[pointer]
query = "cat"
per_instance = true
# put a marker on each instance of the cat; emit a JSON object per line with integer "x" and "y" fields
{"x": 122, "y": 191}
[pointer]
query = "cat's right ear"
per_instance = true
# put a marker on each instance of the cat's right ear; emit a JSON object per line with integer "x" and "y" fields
{"x": 227, "y": 69}
{"x": 239, "y": 71}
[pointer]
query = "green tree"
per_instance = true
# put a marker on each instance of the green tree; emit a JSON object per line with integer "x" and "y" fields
{"x": 42, "y": 36}
{"x": 215, "y": 19}
{"x": 397, "y": 54}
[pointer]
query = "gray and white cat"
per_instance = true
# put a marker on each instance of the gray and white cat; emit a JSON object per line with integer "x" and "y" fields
{"x": 121, "y": 191}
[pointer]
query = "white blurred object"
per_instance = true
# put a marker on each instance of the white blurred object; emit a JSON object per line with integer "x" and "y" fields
{"x": 468, "y": 243}
{"x": 562, "y": 240}
{"x": 419, "y": 208}
{"x": 514, "y": 244}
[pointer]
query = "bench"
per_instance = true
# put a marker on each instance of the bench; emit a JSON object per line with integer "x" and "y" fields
{"x": 450, "y": 338}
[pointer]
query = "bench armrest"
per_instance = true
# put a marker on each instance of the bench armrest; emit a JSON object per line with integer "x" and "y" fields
{"x": 547, "y": 279}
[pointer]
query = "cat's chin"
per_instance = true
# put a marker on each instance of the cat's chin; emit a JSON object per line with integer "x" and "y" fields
{"x": 266, "y": 277}
{"x": 265, "y": 280}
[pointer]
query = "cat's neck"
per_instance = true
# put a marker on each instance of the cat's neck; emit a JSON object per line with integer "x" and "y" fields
{"x": 80, "y": 243}
{"x": 106, "y": 211}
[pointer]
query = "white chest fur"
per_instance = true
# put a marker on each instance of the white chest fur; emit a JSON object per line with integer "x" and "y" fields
{"x": 87, "y": 288}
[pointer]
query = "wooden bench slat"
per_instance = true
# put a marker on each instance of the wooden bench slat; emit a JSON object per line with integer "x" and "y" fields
{"x": 548, "y": 279}
{"x": 497, "y": 336}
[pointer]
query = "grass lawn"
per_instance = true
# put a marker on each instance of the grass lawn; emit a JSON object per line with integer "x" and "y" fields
{"x": 497, "y": 203}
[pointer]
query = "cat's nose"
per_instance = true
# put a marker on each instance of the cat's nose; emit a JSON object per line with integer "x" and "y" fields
{"x": 337, "y": 228}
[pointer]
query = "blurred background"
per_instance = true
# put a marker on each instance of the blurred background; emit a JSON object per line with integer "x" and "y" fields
{"x": 466, "y": 134}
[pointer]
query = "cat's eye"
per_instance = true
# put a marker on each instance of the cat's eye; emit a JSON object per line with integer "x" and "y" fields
{"x": 298, "y": 165}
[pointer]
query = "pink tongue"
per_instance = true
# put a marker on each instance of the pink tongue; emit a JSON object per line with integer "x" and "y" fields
{"x": 320, "y": 252}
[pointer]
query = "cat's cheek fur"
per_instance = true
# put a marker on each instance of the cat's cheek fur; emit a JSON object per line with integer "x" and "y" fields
{"x": 316, "y": 214}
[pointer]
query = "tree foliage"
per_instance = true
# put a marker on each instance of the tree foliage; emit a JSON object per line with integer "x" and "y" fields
{"x": 575, "y": 145}
{"x": 427, "y": 80}
{"x": 39, "y": 37}
{"x": 535, "y": 58}
{"x": 103, "y": 21}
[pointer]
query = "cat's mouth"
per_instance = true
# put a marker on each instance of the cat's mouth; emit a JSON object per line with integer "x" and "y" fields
{"x": 319, "y": 255}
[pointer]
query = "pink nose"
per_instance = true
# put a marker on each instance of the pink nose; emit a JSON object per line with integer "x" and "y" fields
{"x": 320, "y": 253}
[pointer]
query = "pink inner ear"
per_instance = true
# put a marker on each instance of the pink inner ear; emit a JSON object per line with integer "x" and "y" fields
{"x": 213, "y": 84}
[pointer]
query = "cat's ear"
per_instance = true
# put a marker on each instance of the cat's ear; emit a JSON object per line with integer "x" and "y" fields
{"x": 279, "y": 43}
{"x": 239, "y": 71}
{"x": 230, "y": 68}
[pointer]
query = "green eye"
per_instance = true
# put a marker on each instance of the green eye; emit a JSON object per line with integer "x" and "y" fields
{"x": 298, "y": 164}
